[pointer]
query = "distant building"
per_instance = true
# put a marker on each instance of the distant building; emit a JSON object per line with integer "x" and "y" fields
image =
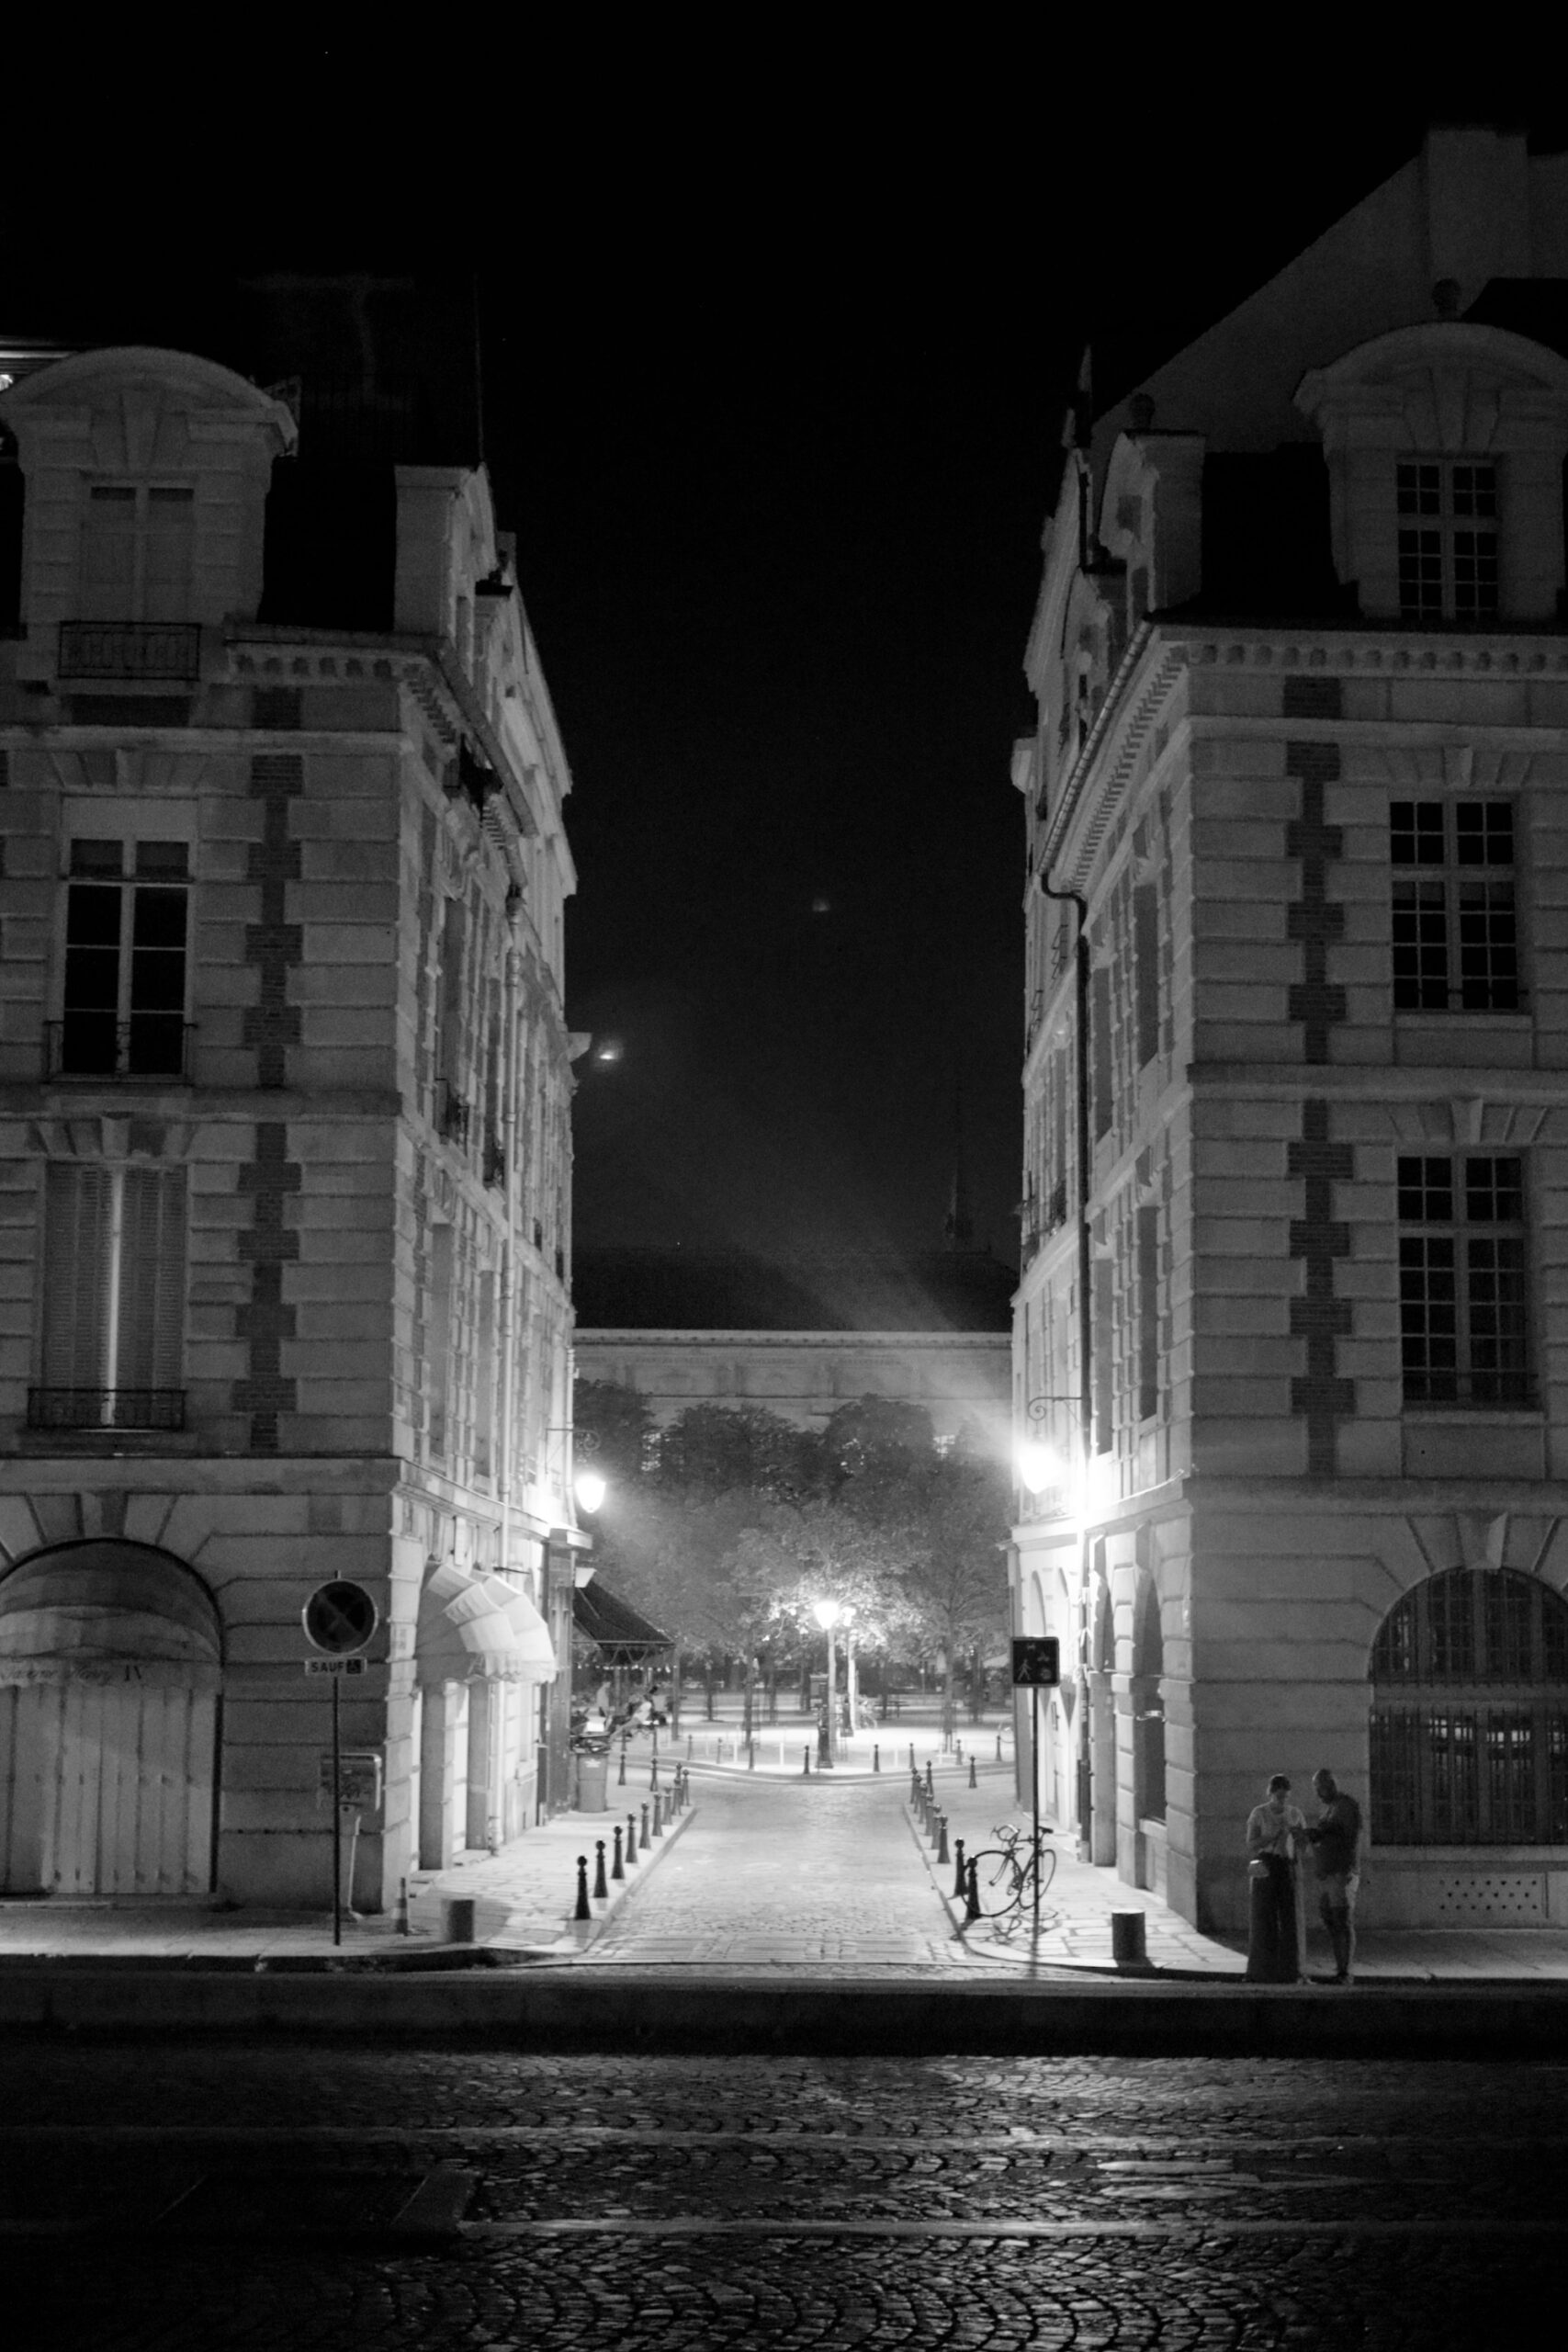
{"x": 803, "y": 1337}
{"x": 284, "y": 1149}
{"x": 1294, "y": 1321}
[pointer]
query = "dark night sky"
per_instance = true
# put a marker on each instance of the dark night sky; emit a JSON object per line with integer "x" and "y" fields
{"x": 774, "y": 395}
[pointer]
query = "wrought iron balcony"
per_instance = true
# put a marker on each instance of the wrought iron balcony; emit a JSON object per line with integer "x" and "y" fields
{"x": 129, "y": 649}
{"x": 105, "y": 1409}
{"x": 93, "y": 1048}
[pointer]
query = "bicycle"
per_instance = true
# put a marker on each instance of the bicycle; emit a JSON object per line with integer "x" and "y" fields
{"x": 1002, "y": 1879}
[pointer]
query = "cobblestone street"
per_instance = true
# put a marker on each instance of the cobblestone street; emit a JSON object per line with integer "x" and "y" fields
{"x": 242, "y": 2197}
{"x": 789, "y": 1872}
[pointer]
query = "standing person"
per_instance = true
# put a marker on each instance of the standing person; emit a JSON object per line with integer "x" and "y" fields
{"x": 1273, "y": 1944}
{"x": 1335, "y": 1840}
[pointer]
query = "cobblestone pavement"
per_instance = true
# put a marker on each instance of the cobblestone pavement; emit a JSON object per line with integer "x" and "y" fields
{"x": 788, "y": 1872}
{"x": 675, "y": 2203}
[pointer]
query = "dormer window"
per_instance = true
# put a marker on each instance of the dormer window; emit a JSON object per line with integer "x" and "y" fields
{"x": 136, "y": 552}
{"x": 1448, "y": 540}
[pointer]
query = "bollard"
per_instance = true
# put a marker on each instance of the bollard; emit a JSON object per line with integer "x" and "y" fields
{"x": 653, "y": 1776}
{"x": 806, "y": 1767}
{"x": 621, "y": 1776}
{"x": 971, "y": 1896}
{"x": 583, "y": 1910}
{"x": 1128, "y": 1949}
{"x": 958, "y": 1751}
{"x": 911, "y": 1756}
{"x": 751, "y": 1755}
{"x": 941, "y": 1853}
{"x": 960, "y": 1883}
{"x": 659, "y": 1814}
{"x": 931, "y": 1784}
{"x": 401, "y": 1922}
{"x": 601, "y": 1885}
{"x": 619, "y": 1869}
{"x": 914, "y": 1786}
{"x": 631, "y": 1836}
{"x": 457, "y": 1914}
{"x": 645, "y": 1829}
{"x": 972, "y": 1782}
{"x": 998, "y": 1748}
{"x": 688, "y": 1747}
{"x": 875, "y": 1757}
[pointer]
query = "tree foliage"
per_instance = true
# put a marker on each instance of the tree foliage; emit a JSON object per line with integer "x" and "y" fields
{"x": 734, "y": 1524}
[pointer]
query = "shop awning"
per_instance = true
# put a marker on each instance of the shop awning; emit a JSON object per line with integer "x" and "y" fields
{"x": 621, "y": 1637}
{"x": 479, "y": 1625}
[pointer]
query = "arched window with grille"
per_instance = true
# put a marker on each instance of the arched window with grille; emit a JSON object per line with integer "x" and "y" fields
{"x": 1470, "y": 1714}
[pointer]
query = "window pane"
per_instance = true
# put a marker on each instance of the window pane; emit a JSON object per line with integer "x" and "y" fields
{"x": 1510, "y": 1776}
{"x": 1455, "y": 1778}
{"x": 1452, "y": 1603}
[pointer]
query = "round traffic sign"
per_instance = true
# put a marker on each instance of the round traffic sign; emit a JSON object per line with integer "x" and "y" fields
{"x": 339, "y": 1618}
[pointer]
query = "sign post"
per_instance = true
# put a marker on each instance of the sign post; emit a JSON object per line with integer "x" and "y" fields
{"x": 339, "y": 1620}
{"x": 1036, "y": 1667}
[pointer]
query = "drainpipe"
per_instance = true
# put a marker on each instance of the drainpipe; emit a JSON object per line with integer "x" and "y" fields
{"x": 1086, "y": 1308}
{"x": 506, "y": 1304}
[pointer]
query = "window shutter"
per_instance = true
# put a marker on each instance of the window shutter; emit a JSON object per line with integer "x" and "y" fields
{"x": 75, "y": 1292}
{"x": 151, "y": 1279}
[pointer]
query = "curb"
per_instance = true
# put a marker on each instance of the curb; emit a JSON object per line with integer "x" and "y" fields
{"x": 616, "y": 2011}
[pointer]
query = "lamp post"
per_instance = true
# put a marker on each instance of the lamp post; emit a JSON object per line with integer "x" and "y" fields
{"x": 1039, "y": 1468}
{"x": 828, "y": 1614}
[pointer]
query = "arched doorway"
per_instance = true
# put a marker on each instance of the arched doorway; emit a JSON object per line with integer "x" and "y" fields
{"x": 1470, "y": 1714}
{"x": 110, "y": 1669}
{"x": 1148, "y": 1703}
{"x": 1102, "y": 1727}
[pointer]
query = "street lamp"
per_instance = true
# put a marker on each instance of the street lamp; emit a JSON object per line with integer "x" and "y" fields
{"x": 828, "y": 1614}
{"x": 1039, "y": 1464}
{"x": 590, "y": 1490}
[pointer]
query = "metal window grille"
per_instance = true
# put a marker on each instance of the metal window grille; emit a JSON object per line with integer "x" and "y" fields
{"x": 1462, "y": 1282}
{"x": 1446, "y": 540}
{"x": 1455, "y": 931}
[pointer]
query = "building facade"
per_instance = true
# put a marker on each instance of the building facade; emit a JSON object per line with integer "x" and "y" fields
{"x": 802, "y": 1339}
{"x": 1292, "y": 1321}
{"x": 284, "y": 1149}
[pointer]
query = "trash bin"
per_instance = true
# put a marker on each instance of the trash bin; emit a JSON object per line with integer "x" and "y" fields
{"x": 457, "y": 1917}
{"x": 593, "y": 1783}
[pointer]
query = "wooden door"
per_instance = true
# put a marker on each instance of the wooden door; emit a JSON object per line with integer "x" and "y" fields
{"x": 112, "y": 1789}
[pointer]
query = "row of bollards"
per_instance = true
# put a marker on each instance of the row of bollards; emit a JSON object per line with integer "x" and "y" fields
{"x": 630, "y": 1842}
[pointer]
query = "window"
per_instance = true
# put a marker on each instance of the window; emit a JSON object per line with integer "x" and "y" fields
{"x": 1455, "y": 946}
{"x": 1470, "y": 1714}
{"x": 1148, "y": 1313}
{"x": 1462, "y": 1282}
{"x": 136, "y": 553}
{"x": 1448, "y": 540}
{"x": 123, "y": 1003}
{"x": 113, "y": 1298}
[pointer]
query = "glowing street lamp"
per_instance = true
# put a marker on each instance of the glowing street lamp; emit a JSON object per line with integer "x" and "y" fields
{"x": 590, "y": 1490}
{"x": 828, "y": 1614}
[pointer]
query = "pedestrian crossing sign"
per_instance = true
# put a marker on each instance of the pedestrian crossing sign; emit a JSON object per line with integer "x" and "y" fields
{"x": 1036, "y": 1662}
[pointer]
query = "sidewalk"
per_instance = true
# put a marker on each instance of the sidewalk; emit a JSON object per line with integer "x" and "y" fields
{"x": 1082, "y": 1898}
{"x": 524, "y": 1904}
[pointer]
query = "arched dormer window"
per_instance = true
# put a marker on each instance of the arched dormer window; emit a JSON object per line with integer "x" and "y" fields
{"x": 1470, "y": 1714}
{"x": 1445, "y": 445}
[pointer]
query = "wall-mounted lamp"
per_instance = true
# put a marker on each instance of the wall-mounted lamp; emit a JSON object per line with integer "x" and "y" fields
{"x": 1039, "y": 1464}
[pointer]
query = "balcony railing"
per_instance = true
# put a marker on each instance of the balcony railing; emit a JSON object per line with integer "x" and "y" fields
{"x": 129, "y": 649}
{"x": 105, "y": 1409}
{"x": 93, "y": 1047}
{"x": 1504, "y": 1390}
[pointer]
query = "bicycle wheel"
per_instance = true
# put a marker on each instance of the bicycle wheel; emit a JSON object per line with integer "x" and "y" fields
{"x": 996, "y": 1882}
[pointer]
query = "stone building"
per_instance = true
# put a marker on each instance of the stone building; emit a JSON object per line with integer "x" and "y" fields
{"x": 803, "y": 1337}
{"x": 1293, "y": 1323}
{"x": 284, "y": 1146}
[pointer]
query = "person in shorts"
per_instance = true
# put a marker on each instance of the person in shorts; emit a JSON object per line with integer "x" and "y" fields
{"x": 1335, "y": 1840}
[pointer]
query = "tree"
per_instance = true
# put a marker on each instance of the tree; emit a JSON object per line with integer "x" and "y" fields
{"x": 720, "y": 1449}
{"x": 613, "y": 1429}
{"x": 956, "y": 1582}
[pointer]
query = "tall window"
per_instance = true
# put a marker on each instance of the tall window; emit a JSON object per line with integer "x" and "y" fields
{"x": 1455, "y": 943}
{"x": 136, "y": 553}
{"x": 1447, "y": 540}
{"x": 1470, "y": 1714}
{"x": 1464, "y": 1326}
{"x": 123, "y": 1005}
{"x": 114, "y": 1286}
